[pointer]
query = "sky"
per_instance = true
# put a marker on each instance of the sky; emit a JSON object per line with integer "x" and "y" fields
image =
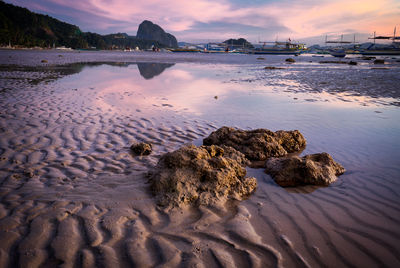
{"x": 307, "y": 21}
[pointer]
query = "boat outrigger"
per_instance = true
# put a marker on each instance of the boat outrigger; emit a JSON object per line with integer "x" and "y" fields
{"x": 388, "y": 50}
{"x": 279, "y": 48}
{"x": 339, "y": 51}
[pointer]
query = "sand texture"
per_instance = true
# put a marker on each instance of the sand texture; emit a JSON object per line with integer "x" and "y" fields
{"x": 72, "y": 194}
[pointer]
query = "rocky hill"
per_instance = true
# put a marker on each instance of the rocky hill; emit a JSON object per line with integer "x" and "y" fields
{"x": 150, "y": 31}
{"x": 22, "y": 28}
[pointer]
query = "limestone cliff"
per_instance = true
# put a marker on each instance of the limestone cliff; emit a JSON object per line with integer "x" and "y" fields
{"x": 150, "y": 31}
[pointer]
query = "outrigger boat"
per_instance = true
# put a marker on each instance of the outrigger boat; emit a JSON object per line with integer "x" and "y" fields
{"x": 279, "y": 48}
{"x": 339, "y": 51}
{"x": 185, "y": 50}
{"x": 390, "y": 50}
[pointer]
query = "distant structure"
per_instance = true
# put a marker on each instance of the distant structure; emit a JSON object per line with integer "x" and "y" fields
{"x": 394, "y": 38}
{"x": 150, "y": 31}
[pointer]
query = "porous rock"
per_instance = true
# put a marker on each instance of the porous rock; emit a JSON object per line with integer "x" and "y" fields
{"x": 258, "y": 144}
{"x": 201, "y": 175}
{"x": 141, "y": 148}
{"x": 315, "y": 169}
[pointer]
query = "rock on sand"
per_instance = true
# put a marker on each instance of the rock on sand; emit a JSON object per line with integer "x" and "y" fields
{"x": 316, "y": 169}
{"x": 141, "y": 148}
{"x": 201, "y": 175}
{"x": 258, "y": 144}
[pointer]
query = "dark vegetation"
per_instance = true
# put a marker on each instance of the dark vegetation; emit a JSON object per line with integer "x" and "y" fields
{"x": 23, "y": 28}
{"x": 241, "y": 42}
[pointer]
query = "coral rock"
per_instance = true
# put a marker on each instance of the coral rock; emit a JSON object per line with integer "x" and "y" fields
{"x": 315, "y": 169}
{"x": 201, "y": 175}
{"x": 141, "y": 148}
{"x": 258, "y": 144}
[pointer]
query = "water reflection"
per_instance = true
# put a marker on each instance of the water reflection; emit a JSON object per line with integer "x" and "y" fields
{"x": 148, "y": 70}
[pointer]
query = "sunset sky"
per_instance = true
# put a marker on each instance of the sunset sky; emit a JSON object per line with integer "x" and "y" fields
{"x": 204, "y": 20}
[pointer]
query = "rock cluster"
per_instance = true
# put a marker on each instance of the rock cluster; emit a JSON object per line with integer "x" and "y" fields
{"x": 216, "y": 171}
{"x": 258, "y": 144}
{"x": 316, "y": 169}
{"x": 201, "y": 175}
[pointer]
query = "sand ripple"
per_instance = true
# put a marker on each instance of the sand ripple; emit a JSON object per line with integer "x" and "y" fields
{"x": 72, "y": 195}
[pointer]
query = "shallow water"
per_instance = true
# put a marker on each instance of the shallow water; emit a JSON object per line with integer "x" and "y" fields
{"x": 67, "y": 173}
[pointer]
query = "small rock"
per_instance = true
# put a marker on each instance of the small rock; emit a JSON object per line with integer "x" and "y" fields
{"x": 273, "y": 68}
{"x": 315, "y": 169}
{"x": 368, "y": 58}
{"x": 333, "y": 61}
{"x": 216, "y": 97}
{"x": 290, "y": 60}
{"x": 141, "y": 148}
{"x": 379, "y": 61}
{"x": 44, "y": 61}
{"x": 352, "y": 63}
{"x": 260, "y": 58}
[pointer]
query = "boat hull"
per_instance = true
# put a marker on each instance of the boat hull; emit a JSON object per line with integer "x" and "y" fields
{"x": 276, "y": 52}
{"x": 381, "y": 52}
{"x": 338, "y": 55}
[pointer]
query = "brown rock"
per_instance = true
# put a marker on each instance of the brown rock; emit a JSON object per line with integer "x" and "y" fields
{"x": 334, "y": 61}
{"x": 258, "y": 144}
{"x": 290, "y": 60}
{"x": 368, "y": 58}
{"x": 201, "y": 175}
{"x": 141, "y": 148}
{"x": 379, "y": 61}
{"x": 273, "y": 68}
{"x": 316, "y": 169}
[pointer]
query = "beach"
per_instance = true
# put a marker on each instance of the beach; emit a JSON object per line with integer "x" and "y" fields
{"x": 72, "y": 194}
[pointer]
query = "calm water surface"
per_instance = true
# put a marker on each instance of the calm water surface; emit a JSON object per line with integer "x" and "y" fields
{"x": 361, "y": 131}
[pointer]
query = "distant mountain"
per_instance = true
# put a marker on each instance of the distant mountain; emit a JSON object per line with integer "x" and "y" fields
{"x": 241, "y": 42}
{"x": 21, "y": 27}
{"x": 150, "y": 31}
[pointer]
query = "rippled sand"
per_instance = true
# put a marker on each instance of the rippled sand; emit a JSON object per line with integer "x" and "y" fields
{"x": 72, "y": 195}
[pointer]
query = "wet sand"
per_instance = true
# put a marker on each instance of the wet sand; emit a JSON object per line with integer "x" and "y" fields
{"x": 72, "y": 195}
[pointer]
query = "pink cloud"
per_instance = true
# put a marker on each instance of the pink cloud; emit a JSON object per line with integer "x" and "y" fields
{"x": 300, "y": 18}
